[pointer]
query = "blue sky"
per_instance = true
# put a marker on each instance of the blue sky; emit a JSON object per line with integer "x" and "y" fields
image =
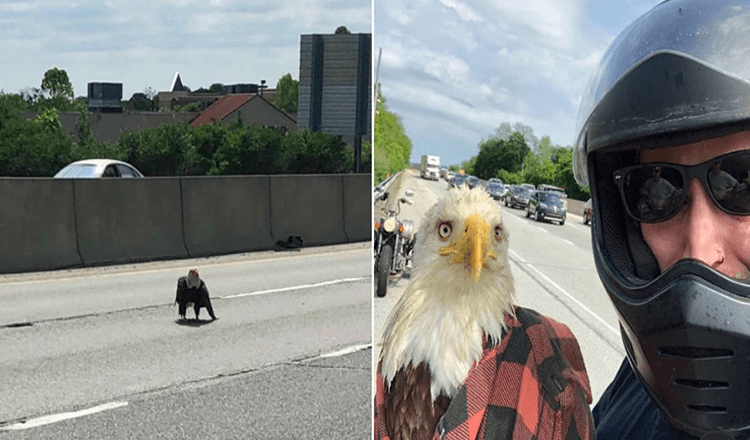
{"x": 454, "y": 71}
{"x": 142, "y": 43}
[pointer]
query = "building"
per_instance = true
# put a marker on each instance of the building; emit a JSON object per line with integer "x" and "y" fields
{"x": 180, "y": 95}
{"x": 252, "y": 109}
{"x": 335, "y": 87}
{"x": 104, "y": 97}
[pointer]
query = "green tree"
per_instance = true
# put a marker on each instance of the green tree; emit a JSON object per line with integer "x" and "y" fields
{"x": 505, "y": 130}
{"x": 314, "y": 152}
{"x": 56, "y": 84}
{"x": 166, "y": 150}
{"x": 500, "y": 154}
{"x": 189, "y": 107}
{"x": 342, "y": 30}
{"x": 469, "y": 166}
{"x": 287, "y": 93}
{"x": 536, "y": 171}
{"x": 30, "y": 148}
{"x": 392, "y": 146}
{"x": 563, "y": 175}
{"x": 57, "y": 92}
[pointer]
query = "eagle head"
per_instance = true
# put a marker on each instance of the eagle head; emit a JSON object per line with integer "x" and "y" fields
{"x": 460, "y": 289}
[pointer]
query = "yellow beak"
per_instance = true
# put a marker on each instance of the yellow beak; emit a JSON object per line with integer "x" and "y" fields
{"x": 472, "y": 246}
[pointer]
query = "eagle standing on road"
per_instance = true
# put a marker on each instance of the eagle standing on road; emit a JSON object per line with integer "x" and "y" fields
{"x": 458, "y": 358}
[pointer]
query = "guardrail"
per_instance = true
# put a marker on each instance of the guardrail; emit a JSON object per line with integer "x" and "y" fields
{"x": 49, "y": 224}
{"x": 385, "y": 185}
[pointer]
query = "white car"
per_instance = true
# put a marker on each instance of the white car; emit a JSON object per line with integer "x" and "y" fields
{"x": 96, "y": 168}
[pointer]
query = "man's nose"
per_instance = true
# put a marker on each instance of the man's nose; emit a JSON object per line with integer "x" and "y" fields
{"x": 705, "y": 233}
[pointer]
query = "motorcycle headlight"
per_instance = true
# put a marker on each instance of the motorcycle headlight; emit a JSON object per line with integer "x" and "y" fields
{"x": 389, "y": 225}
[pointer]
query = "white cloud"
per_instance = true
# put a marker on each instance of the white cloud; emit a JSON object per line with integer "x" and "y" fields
{"x": 17, "y": 7}
{"x": 464, "y": 11}
{"x": 554, "y": 23}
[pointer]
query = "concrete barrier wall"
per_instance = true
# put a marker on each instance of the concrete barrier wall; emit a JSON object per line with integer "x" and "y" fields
{"x": 37, "y": 225}
{"x": 126, "y": 220}
{"x": 48, "y": 224}
{"x": 310, "y": 206}
{"x": 226, "y": 214}
{"x": 575, "y": 206}
{"x": 358, "y": 207}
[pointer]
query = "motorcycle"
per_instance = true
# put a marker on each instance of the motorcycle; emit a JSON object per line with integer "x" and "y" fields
{"x": 394, "y": 245}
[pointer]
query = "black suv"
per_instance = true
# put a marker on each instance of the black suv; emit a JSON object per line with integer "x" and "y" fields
{"x": 517, "y": 196}
{"x": 546, "y": 204}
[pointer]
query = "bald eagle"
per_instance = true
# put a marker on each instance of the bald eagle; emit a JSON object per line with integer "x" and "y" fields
{"x": 459, "y": 357}
{"x": 460, "y": 291}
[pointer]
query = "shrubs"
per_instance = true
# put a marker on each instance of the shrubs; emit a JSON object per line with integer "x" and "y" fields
{"x": 39, "y": 148}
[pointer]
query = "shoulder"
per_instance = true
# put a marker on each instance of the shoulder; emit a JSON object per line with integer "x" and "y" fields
{"x": 551, "y": 350}
{"x": 626, "y": 411}
{"x": 181, "y": 280}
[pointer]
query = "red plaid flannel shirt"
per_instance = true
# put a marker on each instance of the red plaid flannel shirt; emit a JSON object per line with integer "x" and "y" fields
{"x": 532, "y": 385}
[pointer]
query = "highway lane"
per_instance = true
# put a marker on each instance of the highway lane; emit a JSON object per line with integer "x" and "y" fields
{"x": 76, "y": 340}
{"x": 554, "y": 273}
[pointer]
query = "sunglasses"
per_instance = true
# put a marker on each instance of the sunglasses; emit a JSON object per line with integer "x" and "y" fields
{"x": 656, "y": 191}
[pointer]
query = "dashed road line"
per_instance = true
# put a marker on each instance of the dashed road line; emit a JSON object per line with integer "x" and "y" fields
{"x": 344, "y": 351}
{"x": 299, "y": 287}
{"x": 571, "y": 297}
{"x": 54, "y": 418}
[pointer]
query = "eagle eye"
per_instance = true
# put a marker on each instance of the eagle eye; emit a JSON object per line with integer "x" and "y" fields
{"x": 498, "y": 232}
{"x": 445, "y": 229}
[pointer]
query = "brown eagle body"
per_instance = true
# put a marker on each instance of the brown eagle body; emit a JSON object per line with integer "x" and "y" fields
{"x": 460, "y": 290}
{"x": 410, "y": 411}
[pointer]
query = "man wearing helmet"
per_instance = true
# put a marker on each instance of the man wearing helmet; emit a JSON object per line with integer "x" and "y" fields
{"x": 672, "y": 97}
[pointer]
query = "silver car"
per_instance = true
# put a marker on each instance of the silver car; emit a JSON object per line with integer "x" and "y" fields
{"x": 96, "y": 168}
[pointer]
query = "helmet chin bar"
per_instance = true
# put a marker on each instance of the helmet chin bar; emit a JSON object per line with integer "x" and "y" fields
{"x": 687, "y": 337}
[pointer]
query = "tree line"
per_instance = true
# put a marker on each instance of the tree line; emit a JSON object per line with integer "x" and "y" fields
{"x": 392, "y": 146}
{"x": 39, "y": 147}
{"x": 513, "y": 154}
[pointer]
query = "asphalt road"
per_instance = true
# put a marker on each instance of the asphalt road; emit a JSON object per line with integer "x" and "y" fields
{"x": 554, "y": 273}
{"x": 99, "y": 353}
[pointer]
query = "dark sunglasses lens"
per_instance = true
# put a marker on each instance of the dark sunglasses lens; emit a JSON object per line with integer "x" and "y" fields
{"x": 729, "y": 180}
{"x": 653, "y": 193}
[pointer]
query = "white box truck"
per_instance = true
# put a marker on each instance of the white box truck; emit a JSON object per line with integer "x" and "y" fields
{"x": 430, "y": 167}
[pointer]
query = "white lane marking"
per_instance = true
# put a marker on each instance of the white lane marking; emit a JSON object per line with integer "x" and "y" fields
{"x": 46, "y": 420}
{"x": 542, "y": 229}
{"x": 176, "y": 267}
{"x": 344, "y": 351}
{"x": 580, "y": 304}
{"x": 568, "y": 241}
{"x": 300, "y": 287}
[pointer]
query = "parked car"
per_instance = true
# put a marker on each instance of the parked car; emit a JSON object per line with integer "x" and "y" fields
{"x": 518, "y": 196}
{"x": 96, "y": 168}
{"x": 495, "y": 189}
{"x": 495, "y": 180}
{"x": 546, "y": 204}
{"x": 588, "y": 212}
{"x": 529, "y": 186}
{"x": 444, "y": 173}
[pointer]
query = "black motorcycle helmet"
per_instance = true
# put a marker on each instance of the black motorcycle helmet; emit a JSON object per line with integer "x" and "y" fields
{"x": 679, "y": 74}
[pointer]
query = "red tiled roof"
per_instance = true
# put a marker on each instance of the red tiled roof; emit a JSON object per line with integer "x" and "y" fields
{"x": 220, "y": 109}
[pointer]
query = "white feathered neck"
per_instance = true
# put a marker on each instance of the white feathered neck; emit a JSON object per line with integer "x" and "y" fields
{"x": 443, "y": 312}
